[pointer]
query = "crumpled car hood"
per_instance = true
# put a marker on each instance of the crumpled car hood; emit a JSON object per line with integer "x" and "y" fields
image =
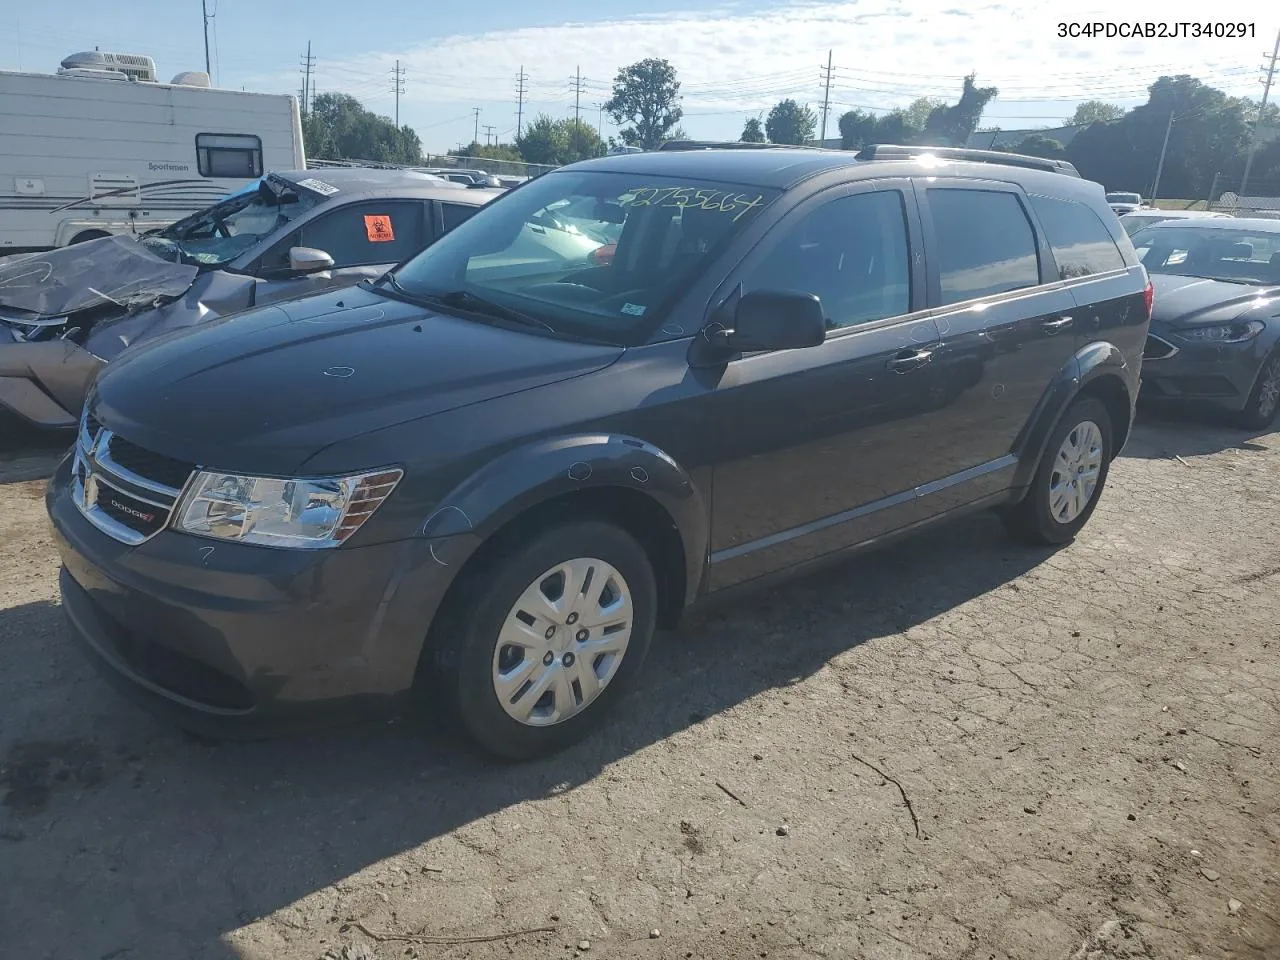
{"x": 110, "y": 270}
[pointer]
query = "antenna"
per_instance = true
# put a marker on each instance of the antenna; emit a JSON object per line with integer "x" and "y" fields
{"x": 397, "y": 87}
{"x": 521, "y": 79}
{"x": 204, "y": 10}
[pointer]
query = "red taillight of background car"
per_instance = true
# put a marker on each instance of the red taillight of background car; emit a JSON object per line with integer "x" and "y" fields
{"x": 604, "y": 255}
{"x": 1149, "y": 298}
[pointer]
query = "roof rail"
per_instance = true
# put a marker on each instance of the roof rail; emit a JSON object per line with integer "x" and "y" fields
{"x": 891, "y": 151}
{"x": 727, "y": 145}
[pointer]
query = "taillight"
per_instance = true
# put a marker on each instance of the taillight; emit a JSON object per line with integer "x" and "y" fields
{"x": 1149, "y": 298}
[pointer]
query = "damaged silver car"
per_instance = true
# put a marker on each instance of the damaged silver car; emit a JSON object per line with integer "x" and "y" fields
{"x": 64, "y": 313}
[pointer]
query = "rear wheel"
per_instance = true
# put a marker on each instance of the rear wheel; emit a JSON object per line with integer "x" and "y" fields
{"x": 1069, "y": 479}
{"x": 87, "y": 235}
{"x": 541, "y": 642}
{"x": 1264, "y": 400}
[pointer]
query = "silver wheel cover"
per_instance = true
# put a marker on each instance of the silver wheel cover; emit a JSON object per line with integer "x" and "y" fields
{"x": 1073, "y": 481}
{"x": 562, "y": 642}
{"x": 1269, "y": 389}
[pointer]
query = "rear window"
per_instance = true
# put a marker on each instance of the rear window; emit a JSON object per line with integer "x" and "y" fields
{"x": 985, "y": 243}
{"x": 1081, "y": 243}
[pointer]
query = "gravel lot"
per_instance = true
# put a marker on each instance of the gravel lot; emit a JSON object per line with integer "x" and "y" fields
{"x": 957, "y": 748}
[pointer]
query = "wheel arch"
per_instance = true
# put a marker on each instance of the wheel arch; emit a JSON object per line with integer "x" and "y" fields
{"x": 1097, "y": 370}
{"x": 612, "y": 477}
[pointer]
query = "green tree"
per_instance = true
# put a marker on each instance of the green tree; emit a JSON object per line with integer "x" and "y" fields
{"x": 752, "y": 132}
{"x": 544, "y": 140}
{"x": 952, "y": 126}
{"x": 1038, "y": 145}
{"x": 918, "y": 111}
{"x": 646, "y": 95}
{"x": 1095, "y": 111}
{"x": 489, "y": 151}
{"x": 582, "y": 141}
{"x": 789, "y": 122}
{"x": 338, "y": 127}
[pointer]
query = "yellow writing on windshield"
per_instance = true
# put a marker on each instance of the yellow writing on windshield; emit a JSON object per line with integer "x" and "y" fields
{"x": 683, "y": 198}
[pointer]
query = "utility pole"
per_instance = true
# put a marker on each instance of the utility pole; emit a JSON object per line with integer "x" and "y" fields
{"x": 576, "y": 79}
{"x": 488, "y": 134}
{"x": 826, "y": 99}
{"x": 1155, "y": 187}
{"x": 521, "y": 79}
{"x": 204, "y": 10}
{"x": 307, "y": 63}
{"x": 600, "y": 121}
{"x": 476, "y": 137}
{"x": 397, "y": 87}
{"x": 1257, "y": 124}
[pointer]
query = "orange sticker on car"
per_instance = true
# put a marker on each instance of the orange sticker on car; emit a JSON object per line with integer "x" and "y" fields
{"x": 378, "y": 228}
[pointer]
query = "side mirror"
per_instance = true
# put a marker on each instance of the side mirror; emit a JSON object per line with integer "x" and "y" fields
{"x": 777, "y": 320}
{"x": 309, "y": 260}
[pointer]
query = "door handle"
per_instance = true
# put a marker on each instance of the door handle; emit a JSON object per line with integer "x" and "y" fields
{"x": 1056, "y": 324}
{"x": 909, "y": 360}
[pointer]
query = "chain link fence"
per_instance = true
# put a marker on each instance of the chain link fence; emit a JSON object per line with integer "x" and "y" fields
{"x": 1259, "y": 198}
{"x": 433, "y": 161}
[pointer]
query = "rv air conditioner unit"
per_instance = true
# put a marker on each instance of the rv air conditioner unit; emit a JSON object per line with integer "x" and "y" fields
{"x": 134, "y": 66}
{"x": 192, "y": 78}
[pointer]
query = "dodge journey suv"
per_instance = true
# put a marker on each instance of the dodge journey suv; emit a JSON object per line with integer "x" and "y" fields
{"x": 488, "y": 476}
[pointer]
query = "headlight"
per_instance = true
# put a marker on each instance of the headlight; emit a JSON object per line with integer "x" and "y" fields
{"x": 310, "y": 513}
{"x": 1226, "y": 333}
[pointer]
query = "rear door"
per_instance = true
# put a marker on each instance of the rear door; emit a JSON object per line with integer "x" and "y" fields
{"x": 1006, "y": 325}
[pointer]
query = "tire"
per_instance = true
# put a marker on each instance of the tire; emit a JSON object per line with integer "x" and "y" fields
{"x": 1264, "y": 400}
{"x": 468, "y": 655}
{"x": 1039, "y": 518}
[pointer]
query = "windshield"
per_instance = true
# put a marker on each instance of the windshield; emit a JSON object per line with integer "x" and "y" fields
{"x": 1123, "y": 198}
{"x": 592, "y": 255}
{"x": 1246, "y": 256}
{"x": 222, "y": 232}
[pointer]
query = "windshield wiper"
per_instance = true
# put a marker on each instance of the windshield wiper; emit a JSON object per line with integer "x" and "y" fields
{"x": 466, "y": 300}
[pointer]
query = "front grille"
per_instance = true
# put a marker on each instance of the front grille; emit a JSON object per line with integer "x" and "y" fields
{"x": 1158, "y": 348}
{"x": 152, "y": 466}
{"x": 124, "y": 490}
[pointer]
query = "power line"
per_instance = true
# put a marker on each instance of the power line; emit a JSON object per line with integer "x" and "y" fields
{"x": 397, "y": 87}
{"x": 521, "y": 79}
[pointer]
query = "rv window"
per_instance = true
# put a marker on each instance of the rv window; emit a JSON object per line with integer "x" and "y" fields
{"x": 232, "y": 155}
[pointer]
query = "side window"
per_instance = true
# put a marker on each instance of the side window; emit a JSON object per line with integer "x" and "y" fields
{"x": 851, "y": 252}
{"x": 374, "y": 231}
{"x": 1081, "y": 242}
{"x": 985, "y": 243}
{"x": 456, "y": 213}
{"x": 235, "y": 155}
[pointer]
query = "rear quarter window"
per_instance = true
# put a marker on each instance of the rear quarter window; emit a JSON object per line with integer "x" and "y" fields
{"x": 985, "y": 243}
{"x": 1081, "y": 243}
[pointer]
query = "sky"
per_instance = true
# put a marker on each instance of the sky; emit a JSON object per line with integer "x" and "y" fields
{"x": 734, "y": 59}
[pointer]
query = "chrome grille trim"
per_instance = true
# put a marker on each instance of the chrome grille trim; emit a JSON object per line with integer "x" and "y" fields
{"x": 93, "y": 469}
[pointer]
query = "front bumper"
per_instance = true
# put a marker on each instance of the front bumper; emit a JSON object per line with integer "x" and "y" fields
{"x": 245, "y": 641}
{"x": 1178, "y": 370}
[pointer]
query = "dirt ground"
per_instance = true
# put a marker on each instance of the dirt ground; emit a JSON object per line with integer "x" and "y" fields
{"x": 957, "y": 748}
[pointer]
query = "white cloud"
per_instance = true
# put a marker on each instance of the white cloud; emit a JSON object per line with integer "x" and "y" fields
{"x": 886, "y": 52}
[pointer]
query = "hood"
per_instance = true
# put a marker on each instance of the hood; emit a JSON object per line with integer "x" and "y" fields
{"x": 1197, "y": 302}
{"x": 263, "y": 390}
{"x": 108, "y": 270}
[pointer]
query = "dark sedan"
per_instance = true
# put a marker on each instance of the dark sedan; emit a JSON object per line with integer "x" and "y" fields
{"x": 1215, "y": 331}
{"x": 64, "y": 313}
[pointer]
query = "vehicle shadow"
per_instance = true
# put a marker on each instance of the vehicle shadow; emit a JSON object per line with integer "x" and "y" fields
{"x": 27, "y": 453}
{"x": 1164, "y": 433}
{"x": 213, "y": 836}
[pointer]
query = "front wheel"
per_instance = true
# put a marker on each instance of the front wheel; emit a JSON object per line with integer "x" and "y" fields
{"x": 1069, "y": 480}
{"x": 1264, "y": 400}
{"x": 543, "y": 641}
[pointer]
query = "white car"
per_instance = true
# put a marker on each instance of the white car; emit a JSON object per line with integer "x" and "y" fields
{"x": 1133, "y": 222}
{"x": 1123, "y": 203}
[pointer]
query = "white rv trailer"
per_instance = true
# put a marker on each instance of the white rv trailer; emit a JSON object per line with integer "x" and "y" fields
{"x": 101, "y": 148}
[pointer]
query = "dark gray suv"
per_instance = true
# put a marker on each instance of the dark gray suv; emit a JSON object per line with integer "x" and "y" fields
{"x": 488, "y": 476}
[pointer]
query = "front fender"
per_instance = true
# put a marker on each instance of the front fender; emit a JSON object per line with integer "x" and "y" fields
{"x": 530, "y": 475}
{"x": 1089, "y": 364}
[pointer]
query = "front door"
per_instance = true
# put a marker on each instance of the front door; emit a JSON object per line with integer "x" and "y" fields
{"x": 1006, "y": 323}
{"x": 825, "y": 446}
